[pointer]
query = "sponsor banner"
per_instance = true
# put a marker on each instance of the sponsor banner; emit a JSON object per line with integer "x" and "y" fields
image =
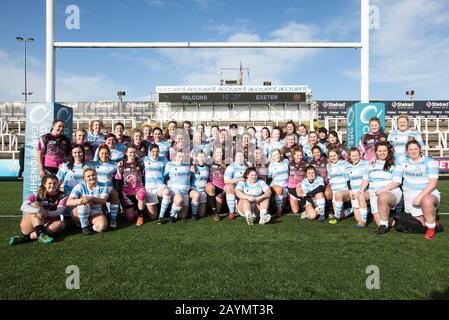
{"x": 39, "y": 119}
{"x": 358, "y": 117}
{"x": 9, "y": 168}
{"x": 232, "y": 97}
{"x": 422, "y": 108}
{"x": 443, "y": 164}
{"x": 232, "y": 89}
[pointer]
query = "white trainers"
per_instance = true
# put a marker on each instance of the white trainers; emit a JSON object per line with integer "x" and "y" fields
{"x": 250, "y": 219}
{"x": 265, "y": 219}
{"x": 113, "y": 224}
{"x": 304, "y": 215}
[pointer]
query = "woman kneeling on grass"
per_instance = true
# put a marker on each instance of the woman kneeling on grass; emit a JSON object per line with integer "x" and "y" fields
{"x": 254, "y": 196}
{"x": 89, "y": 197}
{"x": 421, "y": 196}
{"x": 311, "y": 194}
{"x": 41, "y": 213}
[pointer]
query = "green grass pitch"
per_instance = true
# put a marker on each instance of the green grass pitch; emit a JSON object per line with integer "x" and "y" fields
{"x": 288, "y": 259}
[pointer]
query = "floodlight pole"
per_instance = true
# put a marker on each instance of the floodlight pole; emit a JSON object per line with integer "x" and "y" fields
{"x": 363, "y": 45}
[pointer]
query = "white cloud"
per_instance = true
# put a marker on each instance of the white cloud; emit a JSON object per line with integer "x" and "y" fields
{"x": 69, "y": 86}
{"x": 221, "y": 29}
{"x": 201, "y": 67}
{"x": 412, "y": 45}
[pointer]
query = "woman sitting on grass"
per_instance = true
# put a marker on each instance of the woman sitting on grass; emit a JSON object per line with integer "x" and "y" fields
{"x": 384, "y": 179}
{"x": 89, "y": 197}
{"x": 420, "y": 181}
{"x": 42, "y": 213}
{"x": 254, "y": 197}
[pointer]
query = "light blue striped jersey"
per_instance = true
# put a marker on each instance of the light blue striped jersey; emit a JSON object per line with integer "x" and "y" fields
{"x": 338, "y": 175}
{"x": 278, "y": 171}
{"x": 323, "y": 147}
{"x": 68, "y": 178}
{"x": 378, "y": 178}
{"x": 303, "y": 139}
{"x": 179, "y": 177}
{"x": 274, "y": 145}
{"x": 81, "y": 190}
{"x": 307, "y": 151}
{"x": 105, "y": 172}
{"x": 199, "y": 178}
{"x": 164, "y": 149}
{"x": 96, "y": 140}
{"x": 253, "y": 190}
{"x": 399, "y": 139}
{"x": 234, "y": 171}
{"x": 154, "y": 172}
{"x": 308, "y": 186}
{"x": 416, "y": 175}
{"x": 356, "y": 173}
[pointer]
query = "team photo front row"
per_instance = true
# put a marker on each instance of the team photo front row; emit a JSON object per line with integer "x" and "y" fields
{"x": 182, "y": 173}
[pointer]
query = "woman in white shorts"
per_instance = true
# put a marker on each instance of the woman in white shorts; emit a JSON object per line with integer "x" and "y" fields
{"x": 254, "y": 197}
{"x": 384, "y": 179}
{"x": 420, "y": 180}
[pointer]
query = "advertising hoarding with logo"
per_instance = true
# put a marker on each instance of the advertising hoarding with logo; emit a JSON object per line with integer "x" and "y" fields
{"x": 358, "y": 117}
{"x": 39, "y": 119}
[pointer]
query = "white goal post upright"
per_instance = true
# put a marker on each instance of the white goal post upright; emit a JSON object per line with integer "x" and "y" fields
{"x": 51, "y": 45}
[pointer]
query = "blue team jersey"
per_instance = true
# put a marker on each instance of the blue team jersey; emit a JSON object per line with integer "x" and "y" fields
{"x": 302, "y": 140}
{"x": 179, "y": 177}
{"x": 96, "y": 140}
{"x": 105, "y": 172}
{"x": 234, "y": 171}
{"x": 117, "y": 154}
{"x": 154, "y": 172}
{"x": 338, "y": 175}
{"x": 307, "y": 151}
{"x": 356, "y": 173}
{"x": 164, "y": 149}
{"x": 378, "y": 178}
{"x": 253, "y": 190}
{"x": 307, "y": 186}
{"x": 81, "y": 189}
{"x": 274, "y": 145}
{"x": 70, "y": 178}
{"x": 399, "y": 139}
{"x": 416, "y": 175}
{"x": 200, "y": 178}
{"x": 279, "y": 172}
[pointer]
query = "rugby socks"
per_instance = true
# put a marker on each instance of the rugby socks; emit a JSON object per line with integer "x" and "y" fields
{"x": 338, "y": 208}
{"x": 279, "y": 201}
{"x": 230, "y": 200}
{"x": 363, "y": 214}
{"x": 384, "y": 223}
{"x": 174, "y": 211}
{"x": 164, "y": 205}
{"x": 213, "y": 204}
{"x": 83, "y": 213}
{"x": 321, "y": 205}
{"x": 114, "y": 212}
{"x": 39, "y": 230}
{"x": 431, "y": 225}
{"x": 140, "y": 212}
{"x": 195, "y": 206}
{"x": 263, "y": 212}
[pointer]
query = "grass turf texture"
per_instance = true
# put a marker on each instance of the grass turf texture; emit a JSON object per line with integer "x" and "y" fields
{"x": 289, "y": 259}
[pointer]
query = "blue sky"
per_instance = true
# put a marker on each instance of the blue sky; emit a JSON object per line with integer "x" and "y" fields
{"x": 409, "y": 50}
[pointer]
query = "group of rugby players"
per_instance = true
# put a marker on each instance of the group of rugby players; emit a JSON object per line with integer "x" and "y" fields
{"x": 180, "y": 172}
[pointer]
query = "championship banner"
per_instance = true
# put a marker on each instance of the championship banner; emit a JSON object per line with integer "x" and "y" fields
{"x": 358, "y": 117}
{"x": 443, "y": 164}
{"x": 39, "y": 119}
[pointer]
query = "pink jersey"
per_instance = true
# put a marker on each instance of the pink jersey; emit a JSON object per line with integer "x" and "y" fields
{"x": 54, "y": 149}
{"x": 216, "y": 175}
{"x": 54, "y": 204}
{"x": 321, "y": 168}
{"x": 132, "y": 176}
{"x": 368, "y": 143}
{"x": 296, "y": 173}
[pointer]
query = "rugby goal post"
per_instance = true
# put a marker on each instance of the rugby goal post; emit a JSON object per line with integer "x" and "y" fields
{"x": 51, "y": 45}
